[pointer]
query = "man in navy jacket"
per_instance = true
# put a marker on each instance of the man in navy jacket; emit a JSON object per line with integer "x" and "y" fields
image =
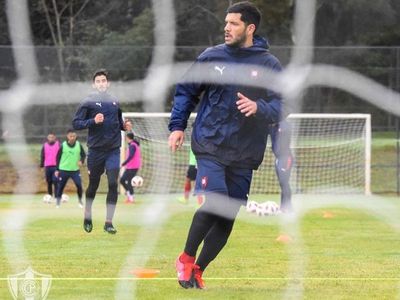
{"x": 101, "y": 114}
{"x": 229, "y": 134}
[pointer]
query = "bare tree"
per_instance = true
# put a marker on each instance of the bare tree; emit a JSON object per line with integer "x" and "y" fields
{"x": 55, "y": 14}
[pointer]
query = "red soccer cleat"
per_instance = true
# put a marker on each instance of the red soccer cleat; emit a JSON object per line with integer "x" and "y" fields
{"x": 184, "y": 267}
{"x": 196, "y": 279}
{"x": 129, "y": 201}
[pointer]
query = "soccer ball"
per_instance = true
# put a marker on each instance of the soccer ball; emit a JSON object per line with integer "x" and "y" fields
{"x": 64, "y": 198}
{"x": 268, "y": 208}
{"x": 252, "y": 206}
{"x": 137, "y": 181}
{"x": 47, "y": 198}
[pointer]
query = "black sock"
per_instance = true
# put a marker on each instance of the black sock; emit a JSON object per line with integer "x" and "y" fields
{"x": 50, "y": 188}
{"x": 79, "y": 192}
{"x": 90, "y": 194}
{"x": 112, "y": 195}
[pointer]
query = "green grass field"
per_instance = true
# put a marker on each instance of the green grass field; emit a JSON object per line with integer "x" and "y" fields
{"x": 353, "y": 255}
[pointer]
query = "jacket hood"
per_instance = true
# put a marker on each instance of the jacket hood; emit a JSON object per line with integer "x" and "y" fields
{"x": 260, "y": 44}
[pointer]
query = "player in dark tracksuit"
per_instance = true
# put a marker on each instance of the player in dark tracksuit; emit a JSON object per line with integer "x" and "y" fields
{"x": 280, "y": 137}
{"x": 229, "y": 136}
{"x": 101, "y": 115}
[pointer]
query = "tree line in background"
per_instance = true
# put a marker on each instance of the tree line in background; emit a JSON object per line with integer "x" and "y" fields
{"x": 69, "y": 24}
{"x": 74, "y": 37}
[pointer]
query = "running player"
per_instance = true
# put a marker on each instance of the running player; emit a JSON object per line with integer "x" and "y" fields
{"x": 101, "y": 115}
{"x": 229, "y": 134}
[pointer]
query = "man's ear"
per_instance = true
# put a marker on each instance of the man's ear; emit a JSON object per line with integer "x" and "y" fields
{"x": 251, "y": 29}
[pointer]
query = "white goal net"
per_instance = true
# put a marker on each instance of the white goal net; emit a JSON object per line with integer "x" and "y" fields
{"x": 332, "y": 154}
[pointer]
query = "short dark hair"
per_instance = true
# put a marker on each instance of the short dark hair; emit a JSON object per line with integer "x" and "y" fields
{"x": 70, "y": 131}
{"x": 250, "y": 13}
{"x": 100, "y": 72}
{"x": 130, "y": 135}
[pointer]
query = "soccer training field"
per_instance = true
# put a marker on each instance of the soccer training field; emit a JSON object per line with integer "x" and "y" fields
{"x": 344, "y": 252}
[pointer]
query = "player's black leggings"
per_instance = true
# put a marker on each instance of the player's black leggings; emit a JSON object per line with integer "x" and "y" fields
{"x": 126, "y": 179}
{"x": 62, "y": 182}
{"x": 283, "y": 167}
{"x": 51, "y": 180}
{"x": 112, "y": 195}
{"x": 212, "y": 224}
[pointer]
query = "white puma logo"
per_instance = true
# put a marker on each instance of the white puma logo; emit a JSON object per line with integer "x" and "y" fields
{"x": 219, "y": 69}
{"x": 98, "y": 104}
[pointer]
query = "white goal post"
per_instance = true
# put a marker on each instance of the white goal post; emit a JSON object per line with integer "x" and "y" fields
{"x": 332, "y": 154}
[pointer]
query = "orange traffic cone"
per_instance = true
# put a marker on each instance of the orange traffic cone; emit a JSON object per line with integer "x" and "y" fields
{"x": 145, "y": 273}
{"x": 327, "y": 215}
{"x": 283, "y": 238}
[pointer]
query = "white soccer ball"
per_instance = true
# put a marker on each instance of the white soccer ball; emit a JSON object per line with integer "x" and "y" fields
{"x": 64, "y": 198}
{"x": 137, "y": 181}
{"x": 251, "y": 206}
{"x": 268, "y": 208}
{"x": 47, "y": 198}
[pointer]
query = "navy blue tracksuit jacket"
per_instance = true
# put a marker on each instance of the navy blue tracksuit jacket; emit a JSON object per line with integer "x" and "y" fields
{"x": 221, "y": 132}
{"x": 107, "y": 135}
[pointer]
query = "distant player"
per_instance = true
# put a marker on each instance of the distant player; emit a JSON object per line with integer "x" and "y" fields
{"x": 101, "y": 114}
{"x": 191, "y": 174}
{"x": 128, "y": 125}
{"x": 132, "y": 164}
{"x": 70, "y": 158}
{"x": 280, "y": 137}
{"x": 48, "y": 160}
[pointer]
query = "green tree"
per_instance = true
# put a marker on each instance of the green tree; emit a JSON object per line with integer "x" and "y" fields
{"x": 356, "y": 22}
{"x": 67, "y": 24}
{"x": 4, "y": 38}
{"x": 126, "y": 54}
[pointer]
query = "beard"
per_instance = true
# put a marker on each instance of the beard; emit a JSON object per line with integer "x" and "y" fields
{"x": 238, "y": 42}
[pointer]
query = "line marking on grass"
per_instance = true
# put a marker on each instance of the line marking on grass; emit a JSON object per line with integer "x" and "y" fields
{"x": 227, "y": 278}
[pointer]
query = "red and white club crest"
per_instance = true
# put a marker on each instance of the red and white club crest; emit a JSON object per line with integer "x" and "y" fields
{"x": 204, "y": 182}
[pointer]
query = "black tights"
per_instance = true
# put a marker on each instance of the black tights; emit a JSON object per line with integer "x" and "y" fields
{"x": 211, "y": 225}
{"x": 112, "y": 194}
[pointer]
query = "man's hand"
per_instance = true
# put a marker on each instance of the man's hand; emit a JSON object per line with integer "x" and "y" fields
{"x": 99, "y": 118}
{"x": 80, "y": 164}
{"x": 56, "y": 174}
{"x": 246, "y": 106}
{"x": 175, "y": 140}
